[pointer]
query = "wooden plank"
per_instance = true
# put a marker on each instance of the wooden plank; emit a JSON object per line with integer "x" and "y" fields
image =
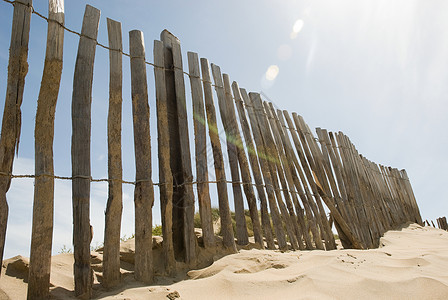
{"x": 341, "y": 194}
{"x": 253, "y": 160}
{"x": 43, "y": 207}
{"x": 81, "y": 124}
{"x": 354, "y": 191}
{"x": 328, "y": 171}
{"x": 294, "y": 169}
{"x": 10, "y": 133}
{"x": 165, "y": 175}
{"x": 205, "y": 209}
{"x": 187, "y": 200}
{"x": 283, "y": 165}
{"x": 274, "y": 164}
{"x": 309, "y": 178}
{"x": 265, "y": 169}
{"x": 144, "y": 192}
{"x": 413, "y": 199}
{"x": 112, "y": 228}
{"x": 224, "y": 210}
{"x": 314, "y": 157}
{"x": 243, "y": 163}
{"x": 241, "y": 227}
{"x": 174, "y": 144}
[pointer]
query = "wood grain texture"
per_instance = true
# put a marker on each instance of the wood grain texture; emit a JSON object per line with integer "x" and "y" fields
{"x": 300, "y": 185}
{"x": 243, "y": 163}
{"x": 205, "y": 210}
{"x": 43, "y": 207}
{"x": 112, "y": 228}
{"x": 187, "y": 201}
{"x": 320, "y": 183}
{"x": 275, "y": 169}
{"x": 253, "y": 160}
{"x": 144, "y": 193}
{"x": 81, "y": 128}
{"x": 224, "y": 210}
{"x": 308, "y": 182}
{"x": 263, "y": 158}
{"x": 241, "y": 227}
{"x": 165, "y": 174}
{"x": 288, "y": 187}
{"x": 11, "y": 122}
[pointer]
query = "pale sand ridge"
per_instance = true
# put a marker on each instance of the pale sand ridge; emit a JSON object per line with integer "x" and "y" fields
{"x": 411, "y": 263}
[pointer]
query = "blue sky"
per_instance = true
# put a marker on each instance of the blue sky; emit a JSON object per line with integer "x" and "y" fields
{"x": 374, "y": 69}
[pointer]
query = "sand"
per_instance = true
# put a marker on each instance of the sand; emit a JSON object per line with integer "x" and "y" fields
{"x": 411, "y": 263}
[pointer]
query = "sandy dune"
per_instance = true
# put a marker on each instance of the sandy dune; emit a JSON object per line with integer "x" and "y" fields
{"x": 411, "y": 263}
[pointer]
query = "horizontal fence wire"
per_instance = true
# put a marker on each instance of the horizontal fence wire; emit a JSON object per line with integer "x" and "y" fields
{"x": 40, "y": 15}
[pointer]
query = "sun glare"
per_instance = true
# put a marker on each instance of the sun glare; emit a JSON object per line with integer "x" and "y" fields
{"x": 272, "y": 72}
{"x": 296, "y": 28}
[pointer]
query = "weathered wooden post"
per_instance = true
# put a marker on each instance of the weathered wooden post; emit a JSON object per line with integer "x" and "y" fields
{"x": 42, "y": 232}
{"x": 205, "y": 209}
{"x": 265, "y": 168}
{"x": 111, "y": 254}
{"x": 243, "y": 163}
{"x": 224, "y": 210}
{"x": 165, "y": 175}
{"x": 81, "y": 122}
{"x": 253, "y": 160}
{"x": 183, "y": 198}
{"x": 241, "y": 228}
{"x": 144, "y": 192}
{"x": 10, "y": 134}
{"x": 275, "y": 168}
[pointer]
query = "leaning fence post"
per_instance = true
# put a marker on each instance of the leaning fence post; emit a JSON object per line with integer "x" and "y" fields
{"x": 221, "y": 185}
{"x": 42, "y": 233}
{"x": 111, "y": 255}
{"x": 186, "y": 199}
{"x": 9, "y": 139}
{"x": 81, "y": 122}
{"x": 253, "y": 160}
{"x": 199, "y": 120}
{"x": 144, "y": 192}
{"x": 165, "y": 175}
{"x": 241, "y": 228}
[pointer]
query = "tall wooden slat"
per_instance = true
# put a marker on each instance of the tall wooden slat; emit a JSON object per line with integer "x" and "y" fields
{"x": 295, "y": 168}
{"x": 253, "y": 160}
{"x": 265, "y": 169}
{"x": 9, "y": 138}
{"x": 174, "y": 145}
{"x": 274, "y": 164}
{"x": 244, "y": 164}
{"x": 314, "y": 157}
{"x": 340, "y": 191}
{"x": 81, "y": 122}
{"x": 354, "y": 189}
{"x": 241, "y": 227}
{"x": 289, "y": 191}
{"x": 112, "y": 228}
{"x": 165, "y": 175}
{"x": 412, "y": 197}
{"x": 224, "y": 210}
{"x": 187, "y": 200}
{"x": 42, "y": 232}
{"x": 205, "y": 210}
{"x": 309, "y": 178}
{"x": 144, "y": 191}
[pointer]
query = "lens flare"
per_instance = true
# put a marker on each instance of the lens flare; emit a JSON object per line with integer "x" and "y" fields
{"x": 296, "y": 28}
{"x": 272, "y": 72}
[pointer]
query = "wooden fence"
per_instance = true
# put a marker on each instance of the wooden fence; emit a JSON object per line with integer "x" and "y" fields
{"x": 288, "y": 177}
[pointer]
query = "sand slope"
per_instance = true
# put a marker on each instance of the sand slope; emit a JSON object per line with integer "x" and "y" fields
{"x": 412, "y": 263}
